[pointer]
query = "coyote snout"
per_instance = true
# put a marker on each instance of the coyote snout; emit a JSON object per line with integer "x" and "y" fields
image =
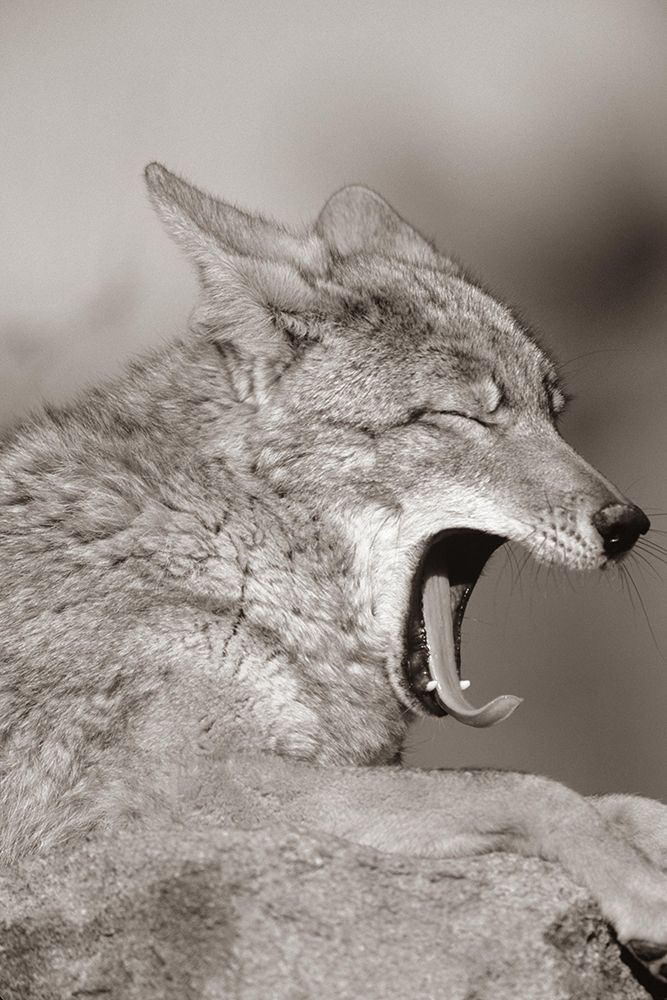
{"x": 545, "y": 496}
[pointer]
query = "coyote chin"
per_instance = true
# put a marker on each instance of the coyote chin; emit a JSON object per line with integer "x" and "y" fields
{"x": 243, "y": 566}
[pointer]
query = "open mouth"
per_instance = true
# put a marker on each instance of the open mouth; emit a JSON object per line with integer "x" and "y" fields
{"x": 446, "y": 575}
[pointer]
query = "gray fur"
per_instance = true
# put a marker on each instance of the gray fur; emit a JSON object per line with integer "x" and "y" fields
{"x": 211, "y": 555}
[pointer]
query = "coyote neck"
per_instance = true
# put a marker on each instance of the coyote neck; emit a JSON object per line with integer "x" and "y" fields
{"x": 304, "y": 636}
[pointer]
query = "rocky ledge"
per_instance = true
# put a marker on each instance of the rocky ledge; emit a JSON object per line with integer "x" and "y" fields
{"x": 283, "y": 915}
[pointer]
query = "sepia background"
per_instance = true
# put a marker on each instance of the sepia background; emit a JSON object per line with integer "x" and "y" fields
{"x": 528, "y": 136}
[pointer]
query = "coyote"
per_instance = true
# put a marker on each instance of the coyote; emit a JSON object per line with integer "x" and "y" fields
{"x": 233, "y": 576}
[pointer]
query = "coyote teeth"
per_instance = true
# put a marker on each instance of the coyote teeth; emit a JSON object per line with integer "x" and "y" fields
{"x": 432, "y": 685}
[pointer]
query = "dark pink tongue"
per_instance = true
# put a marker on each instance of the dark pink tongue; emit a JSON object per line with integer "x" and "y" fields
{"x": 438, "y": 620}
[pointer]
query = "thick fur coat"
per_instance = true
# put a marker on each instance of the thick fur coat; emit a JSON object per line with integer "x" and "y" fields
{"x": 207, "y": 564}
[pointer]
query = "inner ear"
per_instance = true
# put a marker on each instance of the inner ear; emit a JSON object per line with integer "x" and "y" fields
{"x": 254, "y": 365}
{"x": 210, "y": 230}
{"x": 261, "y": 316}
{"x": 356, "y": 219}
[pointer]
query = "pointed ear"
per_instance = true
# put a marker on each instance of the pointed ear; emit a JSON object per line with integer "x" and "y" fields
{"x": 356, "y": 219}
{"x": 256, "y": 305}
{"x": 209, "y": 229}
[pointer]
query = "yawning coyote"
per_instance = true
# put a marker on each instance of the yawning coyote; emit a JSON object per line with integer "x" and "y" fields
{"x": 235, "y": 574}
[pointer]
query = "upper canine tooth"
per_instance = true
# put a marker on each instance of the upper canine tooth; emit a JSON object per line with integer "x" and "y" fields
{"x": 431, "y": 686}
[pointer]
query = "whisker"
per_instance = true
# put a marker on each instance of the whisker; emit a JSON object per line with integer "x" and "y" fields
{"x": 653, "y": 541}
{"x": 522, "y": 563}
{"x": 647, "y": 540}
{"x": 647, "y": 562}
{"x": 656, "y": 557}
{"x": 627, "y": 575}
{"x": 590, "y": 354}
{"x": 653, "y": 549}
{"x": 650, "y": 538}
{"x": 511, "y": 564}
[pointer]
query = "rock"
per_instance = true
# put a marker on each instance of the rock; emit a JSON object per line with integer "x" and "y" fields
{"x": 282, "y": 915}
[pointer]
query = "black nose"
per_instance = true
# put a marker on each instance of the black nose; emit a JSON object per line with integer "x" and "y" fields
{"x": 620, "y": 525}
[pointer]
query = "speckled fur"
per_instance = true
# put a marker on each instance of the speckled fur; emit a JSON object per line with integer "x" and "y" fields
{"x": 212, "y": 555}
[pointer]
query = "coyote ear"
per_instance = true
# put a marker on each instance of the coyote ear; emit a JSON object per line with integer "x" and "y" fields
{"x": 255, "y": 306}
{"x": 356, "y": 218}
{"x": 209, "y": 230}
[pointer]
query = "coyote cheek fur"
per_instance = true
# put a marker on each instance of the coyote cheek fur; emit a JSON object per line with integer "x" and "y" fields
{"x": 231, "y": 577}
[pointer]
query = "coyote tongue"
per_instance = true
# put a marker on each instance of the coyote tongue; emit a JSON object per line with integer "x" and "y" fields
{"x": 438, "y": 621}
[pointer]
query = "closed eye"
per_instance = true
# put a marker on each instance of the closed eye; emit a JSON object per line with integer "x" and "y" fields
{"x": 424, "y": 413}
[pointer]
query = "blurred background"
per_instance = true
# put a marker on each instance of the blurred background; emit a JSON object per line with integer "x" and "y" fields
{"x": 527, "y": 136}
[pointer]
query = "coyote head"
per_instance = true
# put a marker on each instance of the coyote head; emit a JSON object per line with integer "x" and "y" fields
{"x": 383, "y": 386}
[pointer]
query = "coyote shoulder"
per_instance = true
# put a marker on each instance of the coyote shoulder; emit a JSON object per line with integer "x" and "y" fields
{"x": 236, "y": 573}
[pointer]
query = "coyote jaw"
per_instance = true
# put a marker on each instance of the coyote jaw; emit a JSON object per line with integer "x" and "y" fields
{"x": 448, "y": 570}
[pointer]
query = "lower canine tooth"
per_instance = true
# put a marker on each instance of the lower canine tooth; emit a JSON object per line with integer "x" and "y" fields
{"x": 464, "y": 685}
